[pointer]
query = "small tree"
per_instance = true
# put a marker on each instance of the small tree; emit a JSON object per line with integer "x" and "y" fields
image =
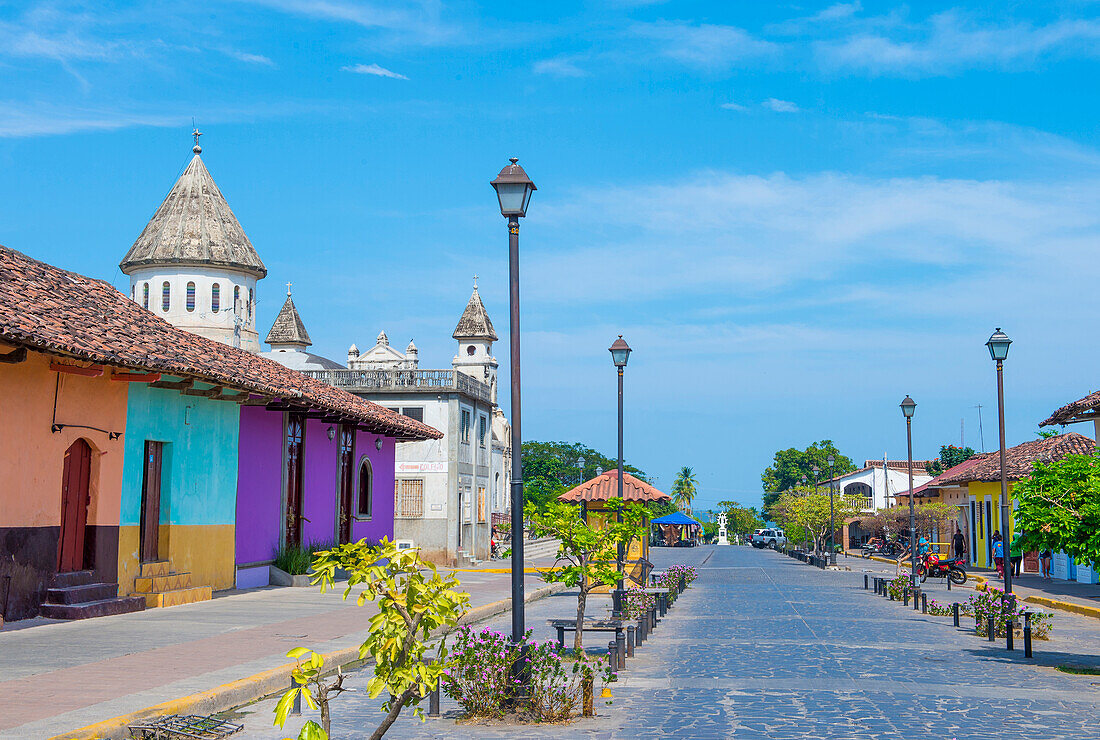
{"x": 950, "y": 456}
{"x": 808, "y": 512}
{"x": 587, "y": 553}
{"x": 1059, "y": 507}
{"x": 413, "y": 601}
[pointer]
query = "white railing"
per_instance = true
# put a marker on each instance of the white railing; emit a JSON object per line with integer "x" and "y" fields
{"x": 369, "y": 380}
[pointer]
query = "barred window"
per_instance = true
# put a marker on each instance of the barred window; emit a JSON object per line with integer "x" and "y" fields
{"x": 464, "y": 431}
{"x": 415, "y": 413}
{"x": 408, "y": 498}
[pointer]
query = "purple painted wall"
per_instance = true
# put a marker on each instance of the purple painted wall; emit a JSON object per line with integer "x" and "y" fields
{"x": 382, "y": 463}
{"x": 259, "y": 484}
{"x": 259, "y": 516}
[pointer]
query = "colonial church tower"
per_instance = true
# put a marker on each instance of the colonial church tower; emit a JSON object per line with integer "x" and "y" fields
{"x": 194, "y": 266}
{"x": 475, "y": 337}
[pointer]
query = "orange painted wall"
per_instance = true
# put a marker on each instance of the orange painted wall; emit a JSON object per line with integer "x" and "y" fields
{"x": 33, "y": 456}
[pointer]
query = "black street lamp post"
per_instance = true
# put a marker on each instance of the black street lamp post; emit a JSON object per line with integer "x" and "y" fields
{"x": 998, "y": 351}
{"x": 831, "y": 556}
{"x": 620, "y": 354}
{"x": 514, "y": 189}
{"x": 908, "y": 407}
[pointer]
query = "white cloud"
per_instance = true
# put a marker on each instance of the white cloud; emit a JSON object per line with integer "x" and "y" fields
{"x": 559, "y": 67}
{"x": 704, "y": 45}
{"x": 780, "y": 106}
{"x": 733, "y": 106}
{"x": 373, "y": 69}
{"x": 951, "y": 41}
{"x": 244, "y": 56}
{"x": 417, "y": 21}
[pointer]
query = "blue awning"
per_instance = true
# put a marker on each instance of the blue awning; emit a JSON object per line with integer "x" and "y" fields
{"x": 676, "y": 517}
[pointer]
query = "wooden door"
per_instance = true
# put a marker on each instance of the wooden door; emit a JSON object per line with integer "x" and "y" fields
{"x": 347, "y": 478}
{"x": 150, "y": 502}
{"x": 74, "y": 506}
{"x": 295, "y": 442}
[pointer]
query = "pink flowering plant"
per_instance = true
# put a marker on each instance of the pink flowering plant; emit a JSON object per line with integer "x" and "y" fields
{"x": 637, "y": 603}
{"x": 992, "y": 603}
{"x": 670, "y": 579}
{"x": 479, "y": 675}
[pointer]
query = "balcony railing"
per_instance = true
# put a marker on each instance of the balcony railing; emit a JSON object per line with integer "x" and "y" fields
{"x": 355, "y": 381}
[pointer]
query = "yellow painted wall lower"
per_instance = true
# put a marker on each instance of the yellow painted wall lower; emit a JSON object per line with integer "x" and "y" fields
{"x": 989, "y": 494}
{"x": 206, "y": 552}
{"x": 596, "y": 515}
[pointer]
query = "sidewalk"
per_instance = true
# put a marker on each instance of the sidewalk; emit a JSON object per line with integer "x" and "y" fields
{"x": 61, "y": 676}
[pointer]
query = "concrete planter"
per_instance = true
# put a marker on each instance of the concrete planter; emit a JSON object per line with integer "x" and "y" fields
{"x": 282, "y": 578}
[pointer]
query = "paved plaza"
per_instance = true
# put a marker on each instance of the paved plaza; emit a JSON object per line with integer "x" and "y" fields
{"x": 763, "y": 646}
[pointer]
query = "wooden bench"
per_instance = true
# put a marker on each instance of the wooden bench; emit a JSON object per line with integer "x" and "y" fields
{"x": 590, "y": 625}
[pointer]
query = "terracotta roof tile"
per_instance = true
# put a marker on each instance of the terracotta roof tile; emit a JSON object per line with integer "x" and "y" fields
{"x": 605, "y": 487}
{"x": 1071, "y": 411}
{"x": 1019, "y": 460}
{"x": 63, "y": 313}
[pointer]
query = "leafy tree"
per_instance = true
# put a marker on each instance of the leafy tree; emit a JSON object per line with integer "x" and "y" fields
{"x": 551, "y": 468}
{"x": 1048, "y": 433}
{"x": 789, "y": 466}
{"x": 740, "y": 520}
{"x": 895, "y": 520}
{"x": 807, "y": 513}
{"x": 950, "y": 456}
{"x": 1058, "y": 507}
{"x": 413, "y": 601}
{"x": 588, "y": 551}
{"x": 683, "y": 489}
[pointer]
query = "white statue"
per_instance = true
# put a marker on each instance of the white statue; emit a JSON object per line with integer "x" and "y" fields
{"x": 723, "y": 539}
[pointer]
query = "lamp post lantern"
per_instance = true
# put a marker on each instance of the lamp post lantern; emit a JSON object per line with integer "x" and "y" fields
{"x": 817, "y": 474}
{"x": 514, "y": 188}
{"x": 908, "y": 407}
{"x": 998, "y": 352}
{"x": 620, "y": 354}
{"x": 831, "y": 555}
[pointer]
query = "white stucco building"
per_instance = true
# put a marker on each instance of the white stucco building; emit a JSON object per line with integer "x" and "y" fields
{"x": 194, "y": 266}
{"x": 878, "y": 482}
{"x": 446, "y": 490}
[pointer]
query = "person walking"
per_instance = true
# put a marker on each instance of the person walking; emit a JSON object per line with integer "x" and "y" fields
{"x": 999, "y": 557}
{"x": 1016, "y": 553}
{"x": 1045, "y": 557}
{"x": 958, "y": 544}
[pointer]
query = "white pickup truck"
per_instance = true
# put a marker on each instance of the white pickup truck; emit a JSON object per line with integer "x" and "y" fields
{"x": 768, "y": 538}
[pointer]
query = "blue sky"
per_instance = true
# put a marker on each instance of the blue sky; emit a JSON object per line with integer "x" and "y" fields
{"x": 795, "y": 213}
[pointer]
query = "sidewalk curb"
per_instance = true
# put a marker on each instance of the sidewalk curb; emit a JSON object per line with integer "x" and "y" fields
{"x": 262, "y": 684}
{"x": 1066, "y": 606}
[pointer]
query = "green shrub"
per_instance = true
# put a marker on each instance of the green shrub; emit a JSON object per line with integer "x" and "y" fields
{"x": 297, "y": 561}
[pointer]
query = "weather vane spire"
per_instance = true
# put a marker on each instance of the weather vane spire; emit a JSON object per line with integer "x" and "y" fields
{"x": 196, "y": 133}
{"x": 475, "y": 282}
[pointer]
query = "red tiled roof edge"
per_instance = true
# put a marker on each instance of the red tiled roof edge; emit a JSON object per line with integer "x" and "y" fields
{"x": 1065, "y": 415}
{"x": 54, "y": 311}
{"x": 1019, "y": 459}
{"x": 606, "y": 487}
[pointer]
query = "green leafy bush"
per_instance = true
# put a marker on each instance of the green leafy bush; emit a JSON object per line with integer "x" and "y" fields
{"x": 297, "y": 561}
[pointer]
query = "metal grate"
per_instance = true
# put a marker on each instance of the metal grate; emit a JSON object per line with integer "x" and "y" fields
{"x": 176, "y": 726}
{"x": 408, "y": 498}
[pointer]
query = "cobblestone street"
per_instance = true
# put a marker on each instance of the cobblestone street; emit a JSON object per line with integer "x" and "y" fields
{"x": 763, "y": 646}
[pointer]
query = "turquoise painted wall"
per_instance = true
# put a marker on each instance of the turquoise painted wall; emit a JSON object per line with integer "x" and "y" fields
{"x": 199, "y": 470}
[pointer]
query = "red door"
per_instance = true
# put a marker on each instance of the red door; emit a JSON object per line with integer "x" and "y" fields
{"x": 150, "y": 503}
{"x": 295, "y": 441}
{"x": 347, "y": 477}
{"x": 74, "y": 506}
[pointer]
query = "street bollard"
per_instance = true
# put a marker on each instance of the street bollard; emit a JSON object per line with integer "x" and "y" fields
{"x": 916, "y": 603}
{"x": 923, "y": 602}
{"x": 1009, "y": 624}
{"x": 877, "y": 586}
{"x": 433, "y": 701}
{"x": 905, "y": 598}
{"x": 991, "y": 632}
{"x": 891, "y": 594}
{"x": 612, "y": 659}
{"x": 296, "y": 706}
{"x": 1027, "y": 634}
{"x": 662, "y": 603}
{"x": 949, "y": 583}
{"x": 630, "y": 641}
{"x": 955, "y": 613}
{"x": 620, "y": 649}
{"x": 864, "y": 581}
{"x": 653, "y": 621}
{"x": 683, "y": 583}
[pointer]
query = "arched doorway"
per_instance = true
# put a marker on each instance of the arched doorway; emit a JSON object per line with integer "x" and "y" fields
{"x": 74, "y": 506}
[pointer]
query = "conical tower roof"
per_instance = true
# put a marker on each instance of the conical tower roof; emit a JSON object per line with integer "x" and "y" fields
{"x": 194, "y": 226}
{"x": 288, "y": 327}
{"x": 475, "y": 323}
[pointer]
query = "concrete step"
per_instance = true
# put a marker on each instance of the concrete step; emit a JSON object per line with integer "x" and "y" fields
{"x": 89, "y": 609}
{"x": 80, "y": 594}
{"x": 177, "y": 597}
{"x": 75, "y": 578}
{"x": 160, "y": 584}
{"x": 155, "y": 568}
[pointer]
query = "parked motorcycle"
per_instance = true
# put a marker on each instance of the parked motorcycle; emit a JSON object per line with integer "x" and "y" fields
{"x": 953, "y": 569}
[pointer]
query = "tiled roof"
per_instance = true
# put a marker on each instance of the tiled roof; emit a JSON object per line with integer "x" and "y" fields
{"x": 1069, "y": 413}
{"x": 896, "y": 464}
{"x": 1018, "y": 460}
{"x": 475, "y": 323}
{"x": 51, "y": 310}
{"x": 288, "y": 327}
{"x": 605, "y": 487}
{"x": 194, "y": 226}
{"x": 955, "y": 472}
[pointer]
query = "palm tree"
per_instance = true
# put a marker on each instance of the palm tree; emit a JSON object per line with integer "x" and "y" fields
{"x": 683, "y": 489}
